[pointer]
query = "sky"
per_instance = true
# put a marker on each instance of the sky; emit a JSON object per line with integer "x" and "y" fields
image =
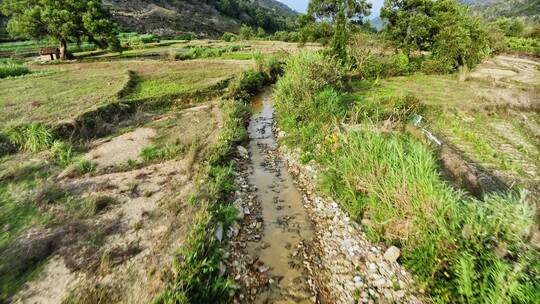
{"x": 301, "y": 5}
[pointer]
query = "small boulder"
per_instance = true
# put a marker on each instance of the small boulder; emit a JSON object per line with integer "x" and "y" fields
{"x": 219, "y": 232}
{"x": 242, "y": 151}
{"x": 392, "y": 254}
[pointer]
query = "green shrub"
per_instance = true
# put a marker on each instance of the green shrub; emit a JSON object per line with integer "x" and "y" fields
{"x": 395, "y": 109}
{"x": 85, "y": 166}
{"x": 228, "y": 37}
{"x": 167, "y": 152}
{"x": 246, "y": 32}
{"x": 436, "y": 66}
{"x": 186, "y": 36}
{"x": 307, "y": 73}
{"x": 380, "y": 65}
{"x": 11, "y": 70}
{"x": 134, "y": 40}
{"x": 268, "y": 65}
{"x": 526, "y": 45}
{"x": 207, "y": 52}
{"x": 244, "y": 85}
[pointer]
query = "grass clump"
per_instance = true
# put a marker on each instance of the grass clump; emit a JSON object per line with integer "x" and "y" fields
{"x": 84, "y": 207}
{"x": 12, "y": 69}
{"x": 169, "y": 151}
{"x": 462, "y": 249}
{"x": 34, "y": 137}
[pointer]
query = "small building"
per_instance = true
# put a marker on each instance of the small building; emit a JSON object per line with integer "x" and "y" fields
{"x": 49, "y": 54}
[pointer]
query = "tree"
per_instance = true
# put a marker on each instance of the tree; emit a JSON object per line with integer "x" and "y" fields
{"x": 63, "y": 20}
{"x": 342, "y": 14}
{"x": 443, "y": 27}
{"x": 410, "y": 23}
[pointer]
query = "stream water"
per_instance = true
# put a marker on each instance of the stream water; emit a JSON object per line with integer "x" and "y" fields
{"x": 286, "y": 224}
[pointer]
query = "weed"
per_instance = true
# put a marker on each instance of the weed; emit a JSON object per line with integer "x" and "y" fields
{"x": 62, "y": 152}
{"x": 170, "y": 151}
{"x": 85, "y": 166}
{"x": 10, "y": 70}
{"x": 138, "y": 225}
{"x": 48, "y": 193}
{"x": 33, "y": 137}
{"x": 85, "y": 207}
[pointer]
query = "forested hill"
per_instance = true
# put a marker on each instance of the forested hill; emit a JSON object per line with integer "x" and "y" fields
{"x": 506, "y": 8}
{"x": 206, "y": 17}
{"x": 202, "y": 17}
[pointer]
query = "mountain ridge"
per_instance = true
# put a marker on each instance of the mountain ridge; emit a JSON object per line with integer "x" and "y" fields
{"x": 205, "y": 18}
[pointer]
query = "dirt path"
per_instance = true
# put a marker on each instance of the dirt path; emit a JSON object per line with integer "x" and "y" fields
{"x": 292, "y": 246}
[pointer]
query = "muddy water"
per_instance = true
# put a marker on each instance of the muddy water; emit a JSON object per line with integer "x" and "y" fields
{"x": 286, "y": 223}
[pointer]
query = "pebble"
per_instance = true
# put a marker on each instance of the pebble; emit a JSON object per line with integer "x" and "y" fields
{"x": 392, "y": 254}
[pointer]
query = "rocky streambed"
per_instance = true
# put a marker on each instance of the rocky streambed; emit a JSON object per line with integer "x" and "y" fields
{"x": 292, "y": 246}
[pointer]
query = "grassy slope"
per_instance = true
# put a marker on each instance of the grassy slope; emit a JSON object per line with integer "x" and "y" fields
{"x": 462, "y": 250}
{"x": 64, "y": 92}
{"x": 496, "y": 140}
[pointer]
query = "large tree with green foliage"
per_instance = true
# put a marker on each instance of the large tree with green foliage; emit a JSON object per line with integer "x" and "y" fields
{"x": 443, "y": 27}
{"x": 342, "y": 14}
{"x": 63, "y": 20}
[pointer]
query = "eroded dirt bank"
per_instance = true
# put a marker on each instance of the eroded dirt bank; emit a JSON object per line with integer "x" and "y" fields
{"x": 292, "y": 246}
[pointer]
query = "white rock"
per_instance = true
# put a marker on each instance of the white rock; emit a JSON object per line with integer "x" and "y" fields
{"x": 238, "y": 204}
{"x": 219, "y": 232}
{"x": 243, "y": 151}
{"x": 392, "y": 254}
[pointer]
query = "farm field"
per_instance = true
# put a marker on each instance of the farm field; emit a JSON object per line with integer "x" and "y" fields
{"x": 270, "y": 151}
{"x": 72, "y": 206}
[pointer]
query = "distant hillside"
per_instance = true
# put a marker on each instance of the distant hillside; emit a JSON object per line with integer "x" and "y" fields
{"x": 492, "y": 9}
{"x": 202, "y": 17}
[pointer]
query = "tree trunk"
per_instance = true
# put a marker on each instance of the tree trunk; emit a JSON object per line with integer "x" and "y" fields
{"x": 63, "y": 49}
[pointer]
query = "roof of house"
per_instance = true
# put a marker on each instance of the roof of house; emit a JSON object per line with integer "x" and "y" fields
{"x": 48, "y": 51}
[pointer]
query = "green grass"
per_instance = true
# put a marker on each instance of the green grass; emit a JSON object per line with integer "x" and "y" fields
{"x": 62, "y": 95}
{"x": 11, "y": 70}
{"x": 377, "y": 171}
{"x": 455, "y": 112}
{"x": 161, "y": 79}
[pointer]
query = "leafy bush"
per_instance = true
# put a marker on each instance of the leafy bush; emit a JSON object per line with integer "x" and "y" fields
{"x": 134, "y": 40}
{"x": 526, "y": 45}
{"x": 269, "y": 66}
{"x": 286, "y": 36}
{"x": 379, "y": 65}
{"x": 241, "y": 87}
{"x": 10, "y": 69}
{"x": 307, "y": 74}
{"x": 167, "y": 152}
{"x": 228, "y": 37}
{"x": 246, "y": 32}
{"x": 186, "y": 36}
{"x": 436, "y": 66}
{"x": 394, "y": 109}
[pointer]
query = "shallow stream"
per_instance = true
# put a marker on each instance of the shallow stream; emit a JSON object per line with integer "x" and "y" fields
{"x": 286, "y": 223}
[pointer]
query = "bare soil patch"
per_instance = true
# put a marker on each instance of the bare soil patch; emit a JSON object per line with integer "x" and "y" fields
{"x": 122, "y": 148}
